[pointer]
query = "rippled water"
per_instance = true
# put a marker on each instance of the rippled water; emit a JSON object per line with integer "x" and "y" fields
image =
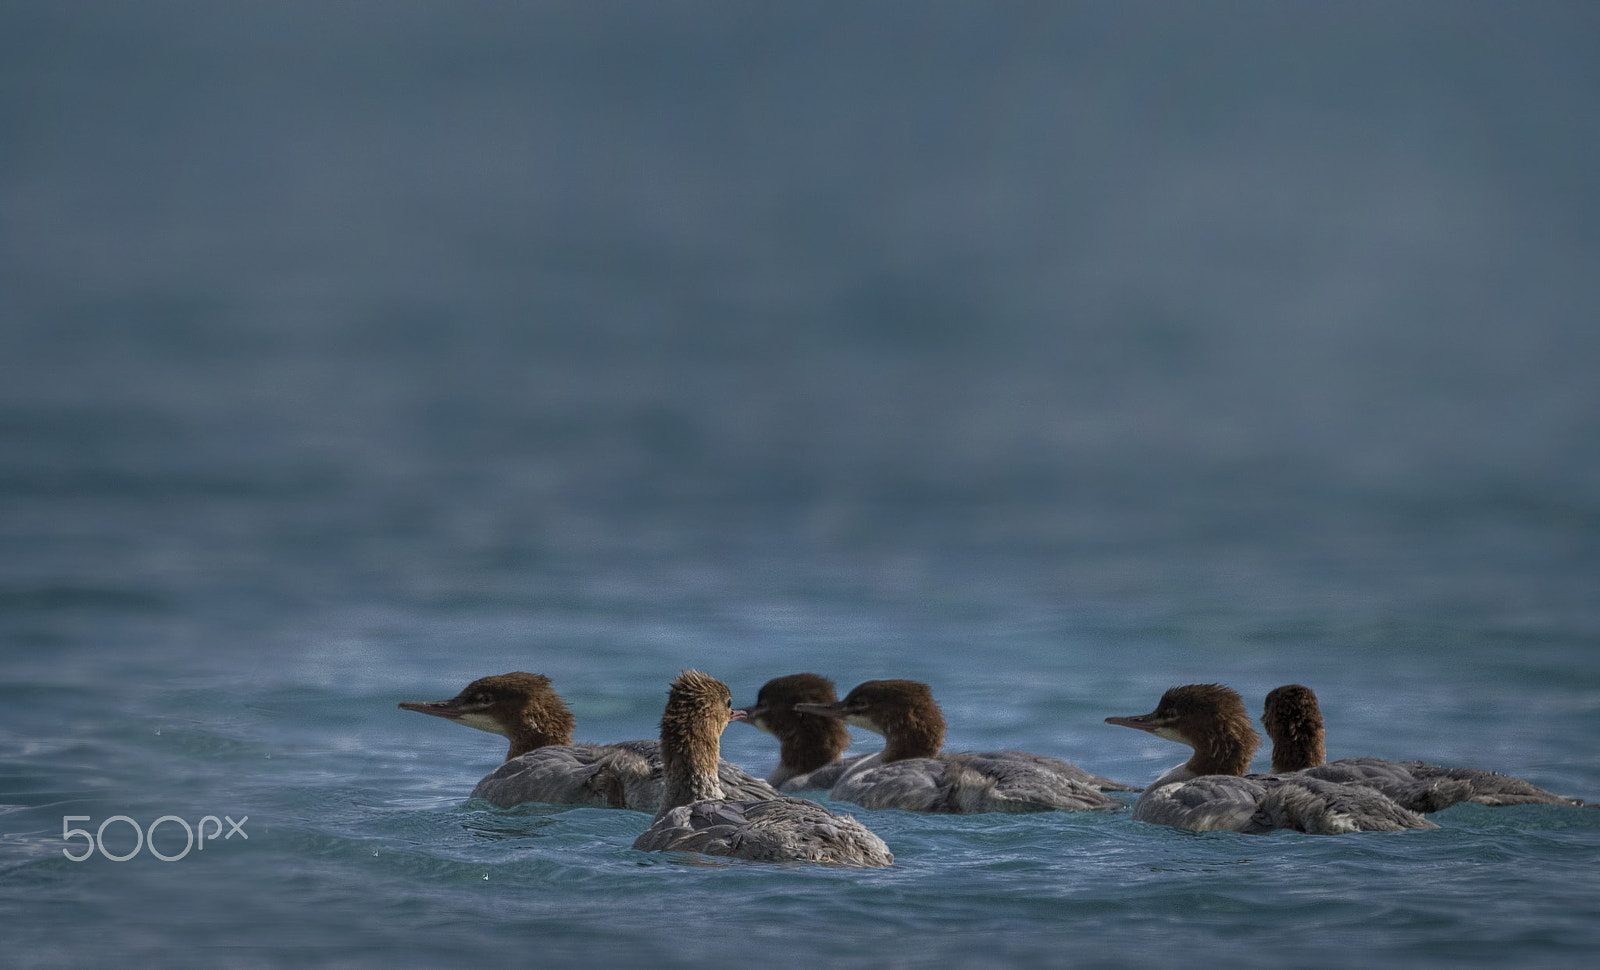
{"x": 1051, "y": 356}
{"x": 362, "y": 847}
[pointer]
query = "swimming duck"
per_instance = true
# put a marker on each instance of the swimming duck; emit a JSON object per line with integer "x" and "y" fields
{"x": 1293, "y": 720}
{"x": 911, "y": 773}
{"x": 696, "y": 815}
{"x": 544, "y": 765}
{"x": 1212, "y": 790}
{"x": 810, "y": 744}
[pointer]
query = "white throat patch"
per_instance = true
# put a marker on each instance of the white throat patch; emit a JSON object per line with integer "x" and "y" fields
{"x": 1172, "y": 735}
{"x": 863, "y": 723}
{"x": 483, "y": 722}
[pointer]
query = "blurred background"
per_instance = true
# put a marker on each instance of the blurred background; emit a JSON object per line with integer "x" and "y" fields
{"x": 1234, "y": 323}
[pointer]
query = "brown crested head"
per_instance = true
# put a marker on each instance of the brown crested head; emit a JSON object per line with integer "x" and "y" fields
{"x": 1209, "y": 718}
{"x": 520, "y": 706}
{"x": 903, "y": 711}
{"x": 1293, "y": 721}
{"x": 698, "y": 707}
{"x": 809, "y": 740}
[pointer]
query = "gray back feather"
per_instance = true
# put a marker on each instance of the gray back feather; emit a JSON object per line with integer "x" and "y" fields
{"x": 769, "y": 830}
{"x": 622, "y": 775}
{"x": 972, "y": 782}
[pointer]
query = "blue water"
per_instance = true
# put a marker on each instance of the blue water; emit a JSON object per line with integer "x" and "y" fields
{"x": 1051, "y": 354}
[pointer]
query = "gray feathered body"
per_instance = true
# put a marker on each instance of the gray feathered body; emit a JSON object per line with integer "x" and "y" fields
{"x": 767, "y": 830}
{"x": 1319, "y": 807}
{"x": 822, "y": 779}
{"x": 1427, "y": 787}
{"x": 1264, "y": 803}
{"x": 623, "y": 775}
{"x": 1489, "y": 787}
{"x": 1046, "y": 766}
{"x": 1209, "y": 803}
{"x": 1394, "y": 781}
{"x": 973, "y": 782}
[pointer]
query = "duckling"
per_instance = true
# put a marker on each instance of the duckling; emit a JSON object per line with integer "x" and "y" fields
{"x": 696, "y": 815}
{"x": 1293, "y": 720}
{"x": 911, "y": 773}
{"x": 1213, "y": 790}
{"x": 544, "y": 765}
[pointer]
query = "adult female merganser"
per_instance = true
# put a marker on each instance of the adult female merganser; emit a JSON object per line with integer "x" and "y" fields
{"x": 811, "y": 745}
{"x": 1212, "y": 791}
{"x": 543, "y": 765}
{"x": 1293, "y": 720}
{"x": 696, "y": 816}
{"x": 910, "y": 772}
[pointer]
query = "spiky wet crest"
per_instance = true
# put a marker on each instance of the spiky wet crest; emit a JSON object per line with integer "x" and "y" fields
{"x": 808, "y": 741}
{"x": 903, "y": 711}
{"x": 1293, "y": 721}
{"x": 698, "y": 708}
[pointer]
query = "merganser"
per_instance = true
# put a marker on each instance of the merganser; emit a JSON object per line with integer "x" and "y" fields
{"x": 543, "y": 765}
{"x": 1212, "y": 790}
{"x": 1293, "y": 720}
{"x": 811, "y": 745}
{"x": 910, "y": 772}
{"x": 696, "y": 816}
